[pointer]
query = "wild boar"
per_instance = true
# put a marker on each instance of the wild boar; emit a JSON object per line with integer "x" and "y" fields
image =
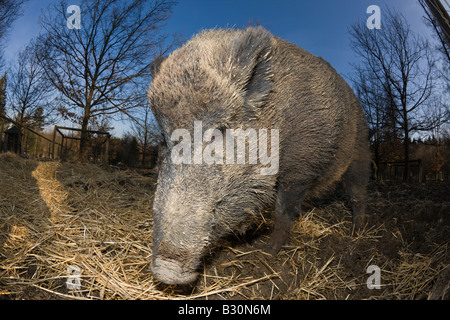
{"x": 225, "y": 81}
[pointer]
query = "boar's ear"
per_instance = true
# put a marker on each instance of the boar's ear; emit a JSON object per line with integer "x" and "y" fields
{"x": 155, "y": 65}
{"x": 251, "y": 65}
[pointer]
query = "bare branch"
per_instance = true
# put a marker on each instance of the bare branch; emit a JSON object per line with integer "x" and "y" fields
{"x": 97, "y": 67}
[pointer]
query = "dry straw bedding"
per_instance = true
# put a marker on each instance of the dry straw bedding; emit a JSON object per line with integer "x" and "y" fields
{"x": 54, "y": 216}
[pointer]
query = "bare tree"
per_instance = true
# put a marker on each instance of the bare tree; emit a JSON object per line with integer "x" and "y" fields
{"x": 98, "y": 67}
{"x": 3, "y": 83}
{"x": 383, "y": 130}
{"x": 10, "y": 10}
{"x": 438, "y": 113}
{"x": 29, "y": 94}
{"x": 402, "y": 64}
{"x": 440, "y": 20}
{"x": 29, "y": 98}
{"x": 146, "y": 130}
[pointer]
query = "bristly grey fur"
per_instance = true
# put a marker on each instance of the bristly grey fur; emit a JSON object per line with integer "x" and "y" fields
{"x": 249, "y": 79}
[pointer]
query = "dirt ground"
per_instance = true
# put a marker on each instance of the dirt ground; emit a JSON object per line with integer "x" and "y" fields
{"x": 54, "y": 215}
{"x": 408, "y": 239}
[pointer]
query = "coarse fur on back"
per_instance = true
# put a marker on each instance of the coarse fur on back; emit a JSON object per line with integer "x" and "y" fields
{"x": 241, "y": 79}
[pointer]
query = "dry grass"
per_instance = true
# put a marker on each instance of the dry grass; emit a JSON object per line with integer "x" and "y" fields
{"x": 417, "y": 272}
{"x": 57, "y": 215}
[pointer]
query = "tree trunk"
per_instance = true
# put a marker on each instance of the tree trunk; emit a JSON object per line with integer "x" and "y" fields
{"x": 21, "y": 123}
{"x": 144, "y": 148}
{"x": 2, "y": 128}
{"x": 84, "y": 138}
{"x": 406, "y": 152}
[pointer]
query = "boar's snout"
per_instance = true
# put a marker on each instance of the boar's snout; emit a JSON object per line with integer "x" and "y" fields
{"x": 174, "y": 265}
{"x": 171, "y": 271}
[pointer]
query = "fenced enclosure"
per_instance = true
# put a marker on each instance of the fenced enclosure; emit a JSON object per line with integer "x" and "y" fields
{"x": 26, "y": 141}
{"x": 69, "y": 144}
{"x": 394, "y": 171}
{"x": 62, "y": 143}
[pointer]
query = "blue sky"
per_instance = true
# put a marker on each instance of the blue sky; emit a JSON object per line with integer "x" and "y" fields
{"x": 317, "y": 26}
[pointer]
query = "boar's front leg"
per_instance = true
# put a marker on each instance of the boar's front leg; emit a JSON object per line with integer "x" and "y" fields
{"x": 355, "y": 183}
{"x": 287, "y": 209}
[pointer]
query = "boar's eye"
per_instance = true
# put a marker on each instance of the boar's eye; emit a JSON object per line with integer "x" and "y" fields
{"x": 222, "y": 129}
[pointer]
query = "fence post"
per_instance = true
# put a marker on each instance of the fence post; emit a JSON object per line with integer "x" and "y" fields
{"x": 420, "y": 170}
{"x": 53, "y": 142}
{"x": 106, "y": 149}
{"x": 2, "y": 121}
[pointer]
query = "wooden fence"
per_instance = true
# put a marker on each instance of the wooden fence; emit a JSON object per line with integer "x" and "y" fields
{"x": 62, "y": 145}
{"x": 25, "y": 140}
{"x": 394, "y": 170}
